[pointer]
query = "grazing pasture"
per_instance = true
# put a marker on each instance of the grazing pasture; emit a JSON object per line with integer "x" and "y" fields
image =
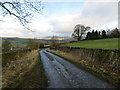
{"x": 112, "y": 43}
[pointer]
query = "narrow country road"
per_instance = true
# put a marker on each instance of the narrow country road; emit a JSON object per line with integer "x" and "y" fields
{"x": 63, "y": 74}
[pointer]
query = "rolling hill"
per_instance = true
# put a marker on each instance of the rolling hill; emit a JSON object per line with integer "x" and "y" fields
{"x": 22, "y": 41}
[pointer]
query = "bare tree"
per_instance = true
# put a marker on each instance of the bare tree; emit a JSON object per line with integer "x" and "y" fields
{"x": 23, "y": 10}
{"x": 115, "y": 33}
{"x": 33, "y": 44}
{"x": 79, "y": 30}
{"x": 54, "y": 41}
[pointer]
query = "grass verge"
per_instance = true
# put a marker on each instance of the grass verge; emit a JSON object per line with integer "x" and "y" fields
{"x": 96, "y": 70}
{"x": 35, "y": 78}
{"x": 12, "y": 56}
{"x": 26, "y": 72}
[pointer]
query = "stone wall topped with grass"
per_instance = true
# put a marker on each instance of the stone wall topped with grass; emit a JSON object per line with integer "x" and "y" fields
{"x": 101, "y": 62}
{"x": 108, "y": 58}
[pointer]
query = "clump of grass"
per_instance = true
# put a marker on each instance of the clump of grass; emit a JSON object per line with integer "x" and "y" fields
{"x": 98, "y": 70}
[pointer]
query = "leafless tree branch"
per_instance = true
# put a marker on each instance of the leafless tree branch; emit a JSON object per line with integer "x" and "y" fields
{"x": 23, "y": 10}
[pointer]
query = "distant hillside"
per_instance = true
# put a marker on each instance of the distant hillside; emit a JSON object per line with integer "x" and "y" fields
{"x": 22, "y": 41}
{"x": 100, "y": 44}
{"x": 43, "y": 40}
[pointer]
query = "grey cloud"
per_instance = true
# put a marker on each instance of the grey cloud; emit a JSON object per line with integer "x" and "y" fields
{"x": 94, "y": 14}
{"x": 100, "y": 12}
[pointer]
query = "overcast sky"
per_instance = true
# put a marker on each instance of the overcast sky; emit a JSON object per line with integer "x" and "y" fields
{"x": 60, "y": 16}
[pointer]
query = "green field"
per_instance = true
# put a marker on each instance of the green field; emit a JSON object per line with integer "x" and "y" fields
{"x": 18, "y": 44}
{"x": 100, "y": 44}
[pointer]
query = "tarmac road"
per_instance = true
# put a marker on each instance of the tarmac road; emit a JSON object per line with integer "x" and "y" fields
{"x": 63, "y": 74}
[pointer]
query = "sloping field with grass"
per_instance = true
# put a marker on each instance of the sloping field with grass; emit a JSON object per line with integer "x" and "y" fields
{"x": 112, "y": 43}
{"x": 19, "y": 44}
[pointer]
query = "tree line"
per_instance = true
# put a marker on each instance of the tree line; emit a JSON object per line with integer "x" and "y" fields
{"x": 115, "y": 33}
{"x": 80, "y": 30}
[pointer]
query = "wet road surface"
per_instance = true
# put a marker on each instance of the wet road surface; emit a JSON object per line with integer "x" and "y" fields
{"x": 63, "y": 74}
